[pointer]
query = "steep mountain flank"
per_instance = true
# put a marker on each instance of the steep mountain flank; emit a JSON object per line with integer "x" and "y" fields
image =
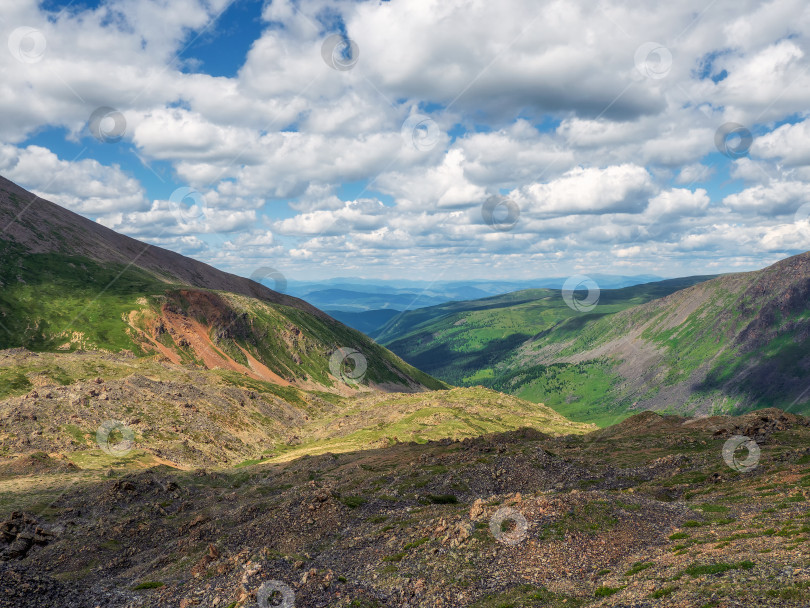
{"x": 465, "y": 342}
{"x": 40, "y": 226}
{"x": 697, "y": 344}
{"x": 71, "y": 284}
{"x": 739, "y": 341}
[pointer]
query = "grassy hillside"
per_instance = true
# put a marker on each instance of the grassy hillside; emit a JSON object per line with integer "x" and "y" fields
{"x": 55, "y": 402}
{"x": 464, "y": 342}
{"x": 50, "y": 299}
{"x": 734, "y": 343}
{"x": 579, "y": 391}
{"x": 57, "y": 302}
{"x": 379, "y": 420}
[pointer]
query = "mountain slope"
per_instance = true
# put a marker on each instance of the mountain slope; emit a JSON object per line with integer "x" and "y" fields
{"x": 731, "y": 343}
{"x": 56, "y": 403}
{"x": 464, "y": 342}
{"x": 42, "y": 227}
{"x": 739, "y": 341}
{"x": 69, "y": 283}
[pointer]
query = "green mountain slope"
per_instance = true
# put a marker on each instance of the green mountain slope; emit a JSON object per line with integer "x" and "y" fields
{"x": 737, "y": 342}
{"x": 465, "y": 342}
{"x": 733, "y": 343}
{"x": 68, "y": 284}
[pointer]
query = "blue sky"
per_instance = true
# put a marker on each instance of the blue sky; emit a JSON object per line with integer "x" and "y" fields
{"x": 365, "y": 139}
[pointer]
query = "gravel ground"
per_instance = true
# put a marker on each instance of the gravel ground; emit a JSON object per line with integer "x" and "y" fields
{"x": 519, "y": 519}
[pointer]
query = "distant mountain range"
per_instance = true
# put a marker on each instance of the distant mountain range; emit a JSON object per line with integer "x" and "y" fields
{"x": 342, "y": 295}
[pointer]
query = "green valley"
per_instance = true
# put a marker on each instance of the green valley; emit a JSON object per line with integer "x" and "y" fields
{"x": 697, "y": 345}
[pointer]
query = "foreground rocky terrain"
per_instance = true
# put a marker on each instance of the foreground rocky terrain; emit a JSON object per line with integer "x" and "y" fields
{"x": 649, "y": 512}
